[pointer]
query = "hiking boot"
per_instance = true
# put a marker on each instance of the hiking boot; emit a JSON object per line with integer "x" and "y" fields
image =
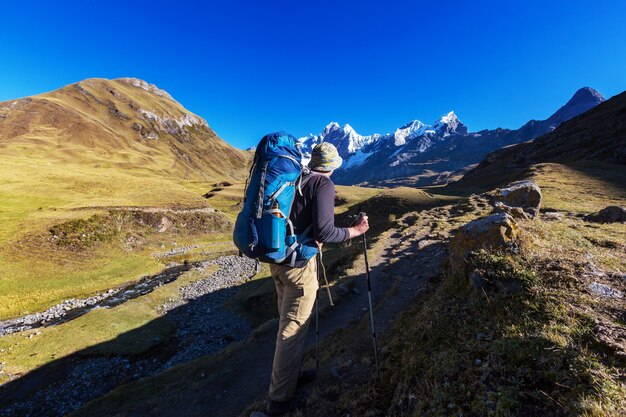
{"x": 278, "y": 408}
{"x": 306, "y": 376}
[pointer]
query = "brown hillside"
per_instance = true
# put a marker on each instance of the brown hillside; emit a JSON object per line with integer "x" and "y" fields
{"x": 597, "y": 135}
{"x": 125, "y": 123}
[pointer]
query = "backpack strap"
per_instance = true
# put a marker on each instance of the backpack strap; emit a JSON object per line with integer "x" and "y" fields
{"x": 259, "y": 209}
{"x": 304, "y": 177}
{"x": 291, "y": 251}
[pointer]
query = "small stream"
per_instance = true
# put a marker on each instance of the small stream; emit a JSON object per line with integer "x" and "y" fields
{"x": 74, "y": 308}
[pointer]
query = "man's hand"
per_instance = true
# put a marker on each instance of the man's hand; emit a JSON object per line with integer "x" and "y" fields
{"x": 319, "y": 245}
{"x": 360, "y": 226}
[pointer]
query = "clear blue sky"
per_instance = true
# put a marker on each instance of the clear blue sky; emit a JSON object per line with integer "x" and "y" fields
{"x": 258, "y": 66}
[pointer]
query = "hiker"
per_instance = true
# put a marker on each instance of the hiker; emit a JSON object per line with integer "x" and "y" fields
{"x": 296, "y": 285}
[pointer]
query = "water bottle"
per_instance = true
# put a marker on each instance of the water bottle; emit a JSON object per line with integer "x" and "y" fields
{"x": 274, "y": 228}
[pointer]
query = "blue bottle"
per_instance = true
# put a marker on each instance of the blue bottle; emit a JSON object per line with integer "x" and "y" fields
{"x": 274, "y": 228}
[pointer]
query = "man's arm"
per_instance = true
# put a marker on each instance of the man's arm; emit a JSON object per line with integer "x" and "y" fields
{"x": 324, "y": 229}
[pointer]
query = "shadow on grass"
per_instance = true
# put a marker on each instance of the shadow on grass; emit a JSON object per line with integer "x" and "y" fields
{"x": 183, "y": 334}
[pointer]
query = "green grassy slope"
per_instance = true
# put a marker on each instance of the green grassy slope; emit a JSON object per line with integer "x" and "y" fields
{"x": 80, "y": 150}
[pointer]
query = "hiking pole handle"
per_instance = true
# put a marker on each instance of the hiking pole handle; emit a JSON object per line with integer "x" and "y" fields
{"x": 356, "y": 217}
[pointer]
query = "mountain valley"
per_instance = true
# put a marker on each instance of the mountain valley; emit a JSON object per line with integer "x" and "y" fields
{"x": 498, "y": 282}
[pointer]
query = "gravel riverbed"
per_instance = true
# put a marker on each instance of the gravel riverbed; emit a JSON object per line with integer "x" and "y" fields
{"x": 203, "y": 327}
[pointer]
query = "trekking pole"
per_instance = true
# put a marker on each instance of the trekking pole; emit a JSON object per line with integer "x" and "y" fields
{"x": 320, "y": 265}
{"x": 320, "y": 271}
{"x": 317, "y": 322}
{"x": 369, "y": 297}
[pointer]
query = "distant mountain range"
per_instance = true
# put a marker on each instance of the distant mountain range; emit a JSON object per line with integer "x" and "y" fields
{"x": 422, "y": 154}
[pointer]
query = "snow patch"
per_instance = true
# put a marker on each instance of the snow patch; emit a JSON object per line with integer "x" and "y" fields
{"x": 356, "y": 159}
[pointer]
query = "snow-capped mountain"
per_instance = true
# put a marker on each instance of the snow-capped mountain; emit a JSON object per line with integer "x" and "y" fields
{"x": 422, "y": 154}
{"x": 355, "y": 149}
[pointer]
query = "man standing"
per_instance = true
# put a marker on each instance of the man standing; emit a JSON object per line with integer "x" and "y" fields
{"x": 296, "y": 287}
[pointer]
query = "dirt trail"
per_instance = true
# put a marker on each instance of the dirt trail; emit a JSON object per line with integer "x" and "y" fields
{"x": 236, "y": 378}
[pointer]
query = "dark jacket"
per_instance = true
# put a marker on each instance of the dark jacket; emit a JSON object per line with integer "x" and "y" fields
{"x": 316, "y": 206}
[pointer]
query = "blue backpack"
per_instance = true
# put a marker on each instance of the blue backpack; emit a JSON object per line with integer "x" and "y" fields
{"x": 263, "y": 229}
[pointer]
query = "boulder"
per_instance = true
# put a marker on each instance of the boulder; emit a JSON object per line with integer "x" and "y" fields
{"x": 610, "y": 214}
{"x": 498, "y": 231}
{"x": 523, "y": 195}
{"x": 515, "y": 212}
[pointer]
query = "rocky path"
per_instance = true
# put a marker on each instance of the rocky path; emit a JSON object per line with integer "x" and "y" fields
{"x": 202, "y": 326}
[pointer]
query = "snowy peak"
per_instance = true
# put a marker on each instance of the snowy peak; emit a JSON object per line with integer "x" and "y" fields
{"x": 330, "y": 127}
{"x": 450, "y": 118}
{"x": 409, "y": 130}
{"x": 355, "y": 149}
{"x": 449, "y": 124}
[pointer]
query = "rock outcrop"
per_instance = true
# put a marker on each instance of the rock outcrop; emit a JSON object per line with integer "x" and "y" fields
{"x": 520, "y": 199}
{"x": 497, "y": 231}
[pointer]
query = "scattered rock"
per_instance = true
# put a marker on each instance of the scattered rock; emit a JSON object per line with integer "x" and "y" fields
{"x": 423, "y": 244}
{"x": 604, "y": 290}
{"x": 610, "y": 214}
{"x": 515, "y": 212}
{"x": 203, "y": 326}
{"x": 613, "y": 337}
{"x": 525, "y": 196}
{"x": 165, "y": 224}
{"x": 553, "y": 215}
{"x": 498, "y": 231}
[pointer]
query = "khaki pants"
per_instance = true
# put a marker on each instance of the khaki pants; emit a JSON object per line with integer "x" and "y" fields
{"x": 296, "y": 289}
